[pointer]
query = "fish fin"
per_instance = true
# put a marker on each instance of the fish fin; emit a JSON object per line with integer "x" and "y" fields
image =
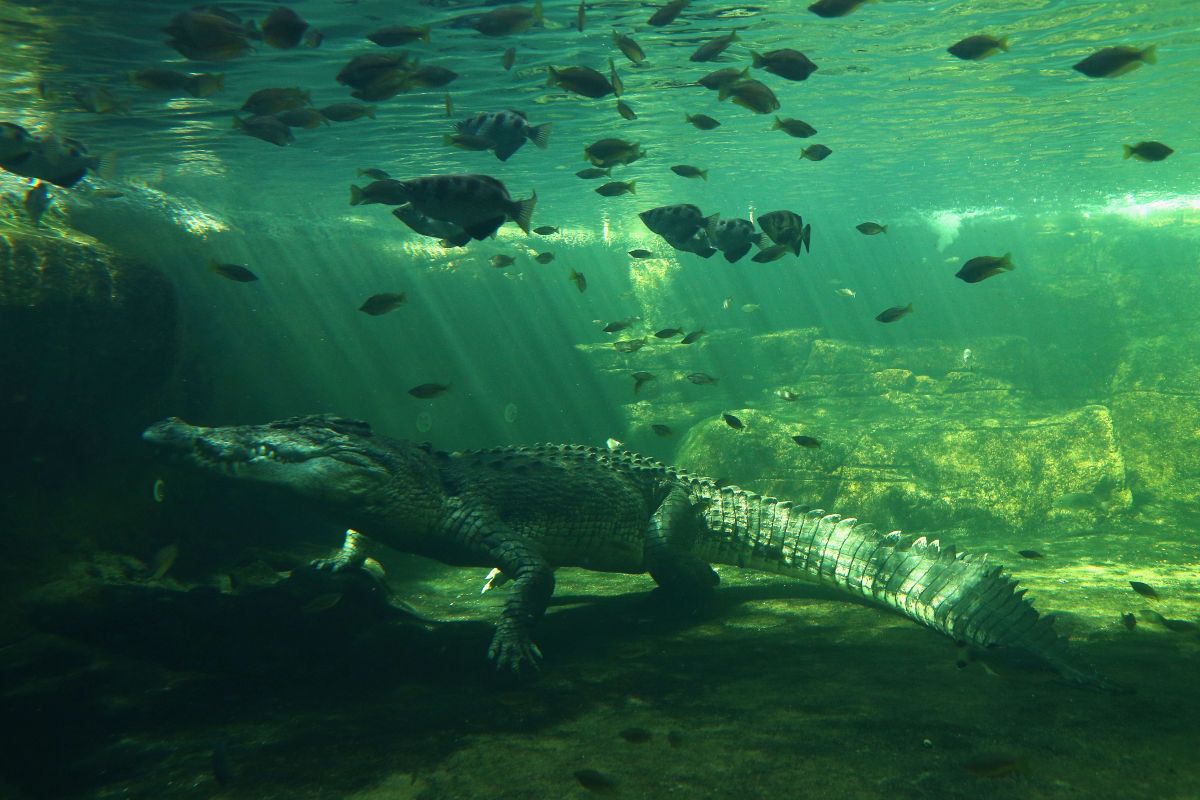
{"x": 632, "y": 190}
{"x": 482, "y": 230}
{"x": 540, "y": 134}
{"x": 356, "y": 195}
{"x": 704, "y": 174}
{"x": 908, "y": 308}
{"x": 735, "y": 255}
{"x": 884, "y": 228}
{"x": 214, "y": 265}
{"x": 106, "y": 166}
{"x": 424, "y": 29}
{"x": 806, "y": 239}
{"x": 369, "y": 111}
{"x": 1149, "y": 55}
{"x": 239, "y": 124}
{"x": 707, "y": 252}
{"x": 607, "y": 172}
{"x": 505, "y": 151}
{"x": 457, "y": 241}
{"x": 757, "y": 62}
{"x": 1128, "y": 150}
{"x": 551, "y": 76}
{"x": 447, "y": 140}
{"x": 710, "y": 223}
{"x": 525, "y": 212}
{"x": 1006, "y": 262}
{"x": 1003, "y": 44}
{"x": 723, "y": 92}
{"x": 778, "y": 124}
{"x": 538, "y": 14}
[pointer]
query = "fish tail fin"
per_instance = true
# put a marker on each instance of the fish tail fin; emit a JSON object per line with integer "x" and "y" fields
{"x": 1149, "y": 55}
{"x": 424, "y": 29}
{"x": 447, "y": 140}
{"x": 607, "y": 172}
{"x": 369, "y": 111}
{"x": 1003, "y": 44}
{"x": 525, "y": 212}
{"x": 239, "y": 124}
{"x": 687, "y": 117}
{"x": 538, "y": 14}
{"x": 757, "y": 62}
{"x": 356, "y": 194}
{"x": 307, "y": 95}
{"x": 806, "y": 239}
{"x": 632, "y": 184}
{"x": 540, "y": 134}
{"x": 710, "y": 223}
{"x": 214, "y": 265}
{"x": 551, "y": 76}
{"x": 884, "y": 228}
{"x": 723, "y": 92}
{"x": 778, "y": 122}
{"x": 1128, "y": 150}
{"x": 704, "y": 174}
{"x": 908, "y": 308}
{"x": 106, "y": 165}
{"x": 1006, "y": 262}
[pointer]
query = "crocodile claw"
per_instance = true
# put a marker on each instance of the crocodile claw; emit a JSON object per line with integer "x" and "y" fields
{"x": 495, "y": 578}
{"x": 511, "y": 651}
{"x": 335, "y": 563}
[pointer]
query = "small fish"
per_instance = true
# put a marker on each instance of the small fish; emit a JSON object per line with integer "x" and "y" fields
{"x": 816, "y": 152}
{"x": 965, "y": 358}
{"x": 787, "y": 394}
{"x": 501, "y": 260}
{"x": 894, "y": 313}
{"x": 631, "y": 49}
{"x": 772, "y": 253}
{"x": 807, "y": 442}
{"x": 786, "y": 63}
{"x": 321, "y": 603}
{"x": 1177, "y": 625}
{"x": 347, "y": 112}
{"x": 870, "y": 228}
{"x": 1029, "y": 554}
{"x": 667, "y": 14}
{"x": 162, "y": 562}
{"x": 509, "y": 58}
{"x": 615, "y": 79}
{"x": 629, "y": 345}
{"x": 544, "y": 258}
{"x": 733, "y": 422}
{"x": 596, "y": 781}
{"x": 580, "y": 80}
{"x": 610, "y": 152}
{"x": 635, "y": 735}
{"x": 593, "y": 172}
{"x": 701, "y": 378}
{"x": 751, "y": 94}
{"x": 283, "y": 28}
{"x": 844, "y": 292}
{"x": 702, "y": 121}
{"x": 159, "y": 492}
{"x": 234, "y": 272}
{"x": 268, "y": 129}
{"x": 429, "y": 390}
{"x": 1112, "y": 62}
{"x": 667, "y": 333}
{"x": 1147, "y": 151}
{"x": 578, "y": 279}
{"x": 617, "y": 188}
{"x": 612, "y": 444}
{"x": 661, "y": 430}
{"x": 37, "y": 200}
{"x": 977, "y": 48}
{"x": 794, "y": 127}
{"x": 265, "y": 102}
{"x": 509, "y": 20}
{"x": 835, "y": 8}
{"x": 692, "y": 337}
{"x": 580, "y": 17}
{"x": 307, "y": 118}
{"x": 688, "y": 171}
{"x": 545, "y": 230}
{"x": 619, "y": 325}
{"x": 983, "y": 267}
{"x": 640, "y": 253}
{"x": 397, "y": 35}
{"x": 1144, "y": 589}
{"x": 379, "y": 304}
{"x": 727, "y": 303}
{"x": 723, "y": 78}
{"x": 712, "y": 49}
{"x": 374, "y": 174}
{"x": 1129, "y": 621}
{"x": 639, "y": 379}
{"x": 625, "y": 111}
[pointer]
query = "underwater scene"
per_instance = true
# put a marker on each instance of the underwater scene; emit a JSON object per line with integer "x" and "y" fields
{"x": 562, "y": 398}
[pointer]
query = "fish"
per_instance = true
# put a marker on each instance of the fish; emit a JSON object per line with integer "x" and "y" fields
{"x": 723, "y": 78}
{"x": 610, "y": 152}
{"x": 1177, "y": 625}
{"x": 615, "y": 79}
{"x": 159, "y": 490}
{"x": 500, "y": 261}
{"x": 322, "y": 602}
{"x": 750, "y": 308}
{"x": 617, "y": 188}
{"x": 983, "y": 267}
{"x": 786, "y": 63}
{"x": 578, "y": 279}
{"x": 661, "y": 430}
{"x": 977, "y": 48}
{"x": 1144, "y": 589}
{"x": 509, "y": 20}
{"x": 688, "y": 171}
{"x": 751, "y": 94}
{"x": 1029, "y": 554}
{"x": 619, "y": 325}
{"x": 844, "y": 292}
{"x": 508, "y": 58}
{"x": 712, "y": 49}
{"x": 835, "y": 8}
{"x": 580, "y": 80}
{"x": 267, "y": 129}
{"x": 100, "y": 100}
{"x": 592, "y": 173}
{"x": 682, "y": 225}
{"x": 580, "y": 17}
{"x": 36, "y": 201}
{"x": 894, "y": 313}
{"x": 1111, "y": 62}
{"x": 363, "y": 71}
{"x": 374, "y": 174}
{"x": 283, "y": 28}
{"x": 379, "y": 304}
{"x": 625, "y": 111}
{"x": 60, "y": 161}
{"x": 612, "y": 444}
{"x": 692, "y": 337}
{"x": 640, "y": 253}
{"x": 347, "y": 112}
{"x": 201, "y": 84}
{"x": 807, "y": 442}
{"x": 544, "y": 258}
{"x": 428, "y": 77}
{"x": 629, "y": 48}
{"x": 387, "y": 191}
{"x": 629, "y": 345}
{"x": 478, "y": 203}
{"x": 668, "y": 333}
{"x": 397, "y": 35}
{"x": 234, "y": 272}
{"x": 265, "y": 102}
{"x": 733, "y": 237}
{"x": 701, "y": 379}
{"x": 205, "y": 35}
{"x": 787, "y": 228}
{"x": 545, "y": 230}
{"x": 1147, "y": 151}
{"x": 640, "y": 379}
{"x": 733, "y": 422}
{"x": 787, "y": 394}
{"x": 307, "y": 118}
{"x": 665, "y": 15}
{"x": 162, "y": 562}
{"x": 450, "y": 234}
{"x": 1129, "y": 621}
{"x": 816, "y": 152}
{"x": 870, "y": 228}
{"x": 701, "y": 121}
{"x": 505, "y": 130}
{"x": 425, "y": 391}
{"x": 794, "y": 127}
{"x": 965, "y": 358}
{"x": 772, "y": 253}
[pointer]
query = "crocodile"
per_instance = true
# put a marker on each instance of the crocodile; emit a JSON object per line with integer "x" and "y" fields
{"x": 529, "y": 510}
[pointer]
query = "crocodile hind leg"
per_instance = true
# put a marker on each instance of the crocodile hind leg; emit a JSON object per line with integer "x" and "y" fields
{"x": 668, "y": 555}
{"x": 352, "y": 555}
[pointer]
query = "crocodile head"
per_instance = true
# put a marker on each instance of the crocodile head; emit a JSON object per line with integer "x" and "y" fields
{"x": 337, "y": 461}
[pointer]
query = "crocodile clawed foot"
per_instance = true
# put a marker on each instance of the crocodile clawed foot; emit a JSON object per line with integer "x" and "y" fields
{"x": 351, "y": 555}
{"x": 512, "y": 651}
{"x": 495, "y": 579}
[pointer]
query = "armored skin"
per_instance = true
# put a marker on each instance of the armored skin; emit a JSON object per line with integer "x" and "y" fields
{"x": 529, "y": 510}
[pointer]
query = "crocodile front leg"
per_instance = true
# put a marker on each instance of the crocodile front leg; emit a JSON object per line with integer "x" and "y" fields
{"x": 352, "y": 555}
{"x": 478, "y": 531}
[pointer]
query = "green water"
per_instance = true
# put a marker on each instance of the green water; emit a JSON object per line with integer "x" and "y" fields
{"x": 1050, "y": 408}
